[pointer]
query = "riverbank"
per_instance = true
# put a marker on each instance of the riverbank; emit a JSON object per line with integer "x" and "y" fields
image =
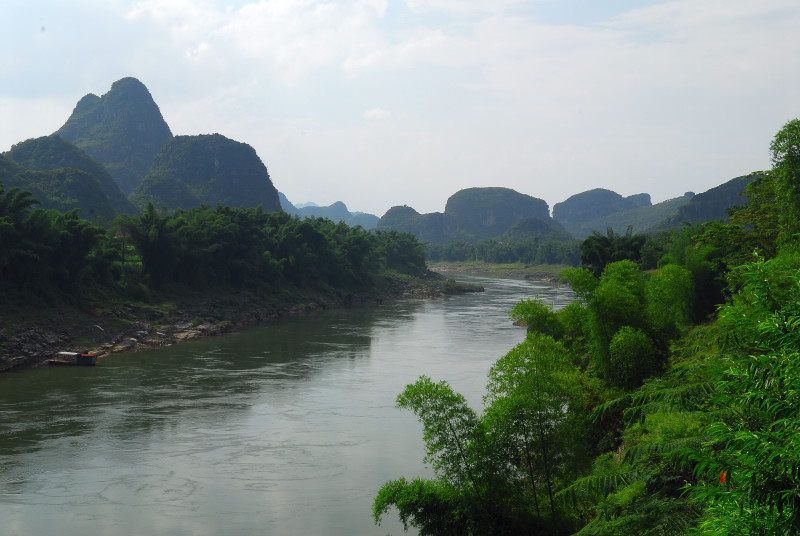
{"x": 543, "y": 272}
{"x": 30, "y": 335}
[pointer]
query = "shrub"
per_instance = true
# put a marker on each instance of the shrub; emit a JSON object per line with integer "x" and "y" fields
{"x": 633, "y": 357}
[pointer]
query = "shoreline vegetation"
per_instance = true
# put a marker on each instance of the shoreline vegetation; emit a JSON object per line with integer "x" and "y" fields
{"x": 33, "y": 335}
{"x": 517, "y": 270}
{"x": 663, "y": 400}
{"x": 162, "y": 277}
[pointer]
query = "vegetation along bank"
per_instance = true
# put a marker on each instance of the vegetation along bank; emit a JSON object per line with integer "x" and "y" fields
{"x": 663, "y": 401}
{"x": 159, "y": 278}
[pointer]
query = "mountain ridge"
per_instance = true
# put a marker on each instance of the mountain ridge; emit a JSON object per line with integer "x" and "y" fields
{"x": 123, "y": 130}
{"x": 207, "y": 169}
{"x": 48, "y": 153}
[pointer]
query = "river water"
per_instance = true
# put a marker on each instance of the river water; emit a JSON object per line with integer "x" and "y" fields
{"x": 284, "y": 429}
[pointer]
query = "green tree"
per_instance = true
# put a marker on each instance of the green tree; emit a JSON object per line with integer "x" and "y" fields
{"x": 582, "y": 282}
{"x": 528, "y": 414}
{"x": 622, "y": 298}
{"x": 15, "y": 204}
{"x": 632, "y": 357}
{"x": 618, "y": 300}
{"x": 753, "y": 227}
{"x": 401, "y": 252}
{"x": 15, "y": 249}
{"x": 598, "y": 250}
{"x": 785, "y": 155}
{"x": 499, "y": 472}
{"x": 538, "y": 317}
{"x": 670, "y": 296}
{"x": 754, "y": 440}
{"x": 155, "y": 243}
{"x": 456, "y": 500}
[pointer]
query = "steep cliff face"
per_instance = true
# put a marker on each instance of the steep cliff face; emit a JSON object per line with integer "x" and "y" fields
{"x": 123, "y": 130}
{"x": 207, "y": 169}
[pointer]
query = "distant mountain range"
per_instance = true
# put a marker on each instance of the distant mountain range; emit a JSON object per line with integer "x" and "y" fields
{"x": 337, "y": 212}
{"x": 474, "y": 214}
{"x": 115, "y": 154}
{"x": 506, "y": 215}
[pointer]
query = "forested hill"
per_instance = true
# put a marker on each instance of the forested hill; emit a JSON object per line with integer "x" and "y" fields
{"x": 53, "y": 152}
{"x": 645, "y": 219}
{"x": 62, "y": 189}
{"x": 123, "y": 130}
{"x": 470, "y": 214}
{"x": 208, "y": 169}
{"x": 486, "y": 212}
{"x": 712, "y": 205}
{"x": 593, "y": 204}
{"x": 122, "y": 134}
{"x": 477, "y": 215}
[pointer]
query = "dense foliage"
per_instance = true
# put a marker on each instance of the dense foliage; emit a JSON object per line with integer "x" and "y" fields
{"x": 629, "y": 411}
{"x": 500, "y": 252}
{"x": 61, "y": 189}
{"x": 50, "y": 255}
{"x": 598, "y": 250}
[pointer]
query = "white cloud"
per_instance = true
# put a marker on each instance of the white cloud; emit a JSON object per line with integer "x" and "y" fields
{"x": 377, "y": 114}
{"x": 481, "y": 93}
{"x": 464, "y": 7}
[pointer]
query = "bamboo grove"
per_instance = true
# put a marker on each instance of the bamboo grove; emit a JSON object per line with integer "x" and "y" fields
{"x": 47, "y": 255}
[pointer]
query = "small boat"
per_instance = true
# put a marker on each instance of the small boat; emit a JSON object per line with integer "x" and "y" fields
{"x": 84, "y": 359}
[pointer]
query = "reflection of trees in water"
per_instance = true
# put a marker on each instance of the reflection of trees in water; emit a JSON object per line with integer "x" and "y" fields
{"x": 152, "y": 392}
{"x": 215, "y": 380}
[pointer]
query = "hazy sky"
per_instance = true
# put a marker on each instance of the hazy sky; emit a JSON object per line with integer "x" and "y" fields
{"x": 381, "y": 103}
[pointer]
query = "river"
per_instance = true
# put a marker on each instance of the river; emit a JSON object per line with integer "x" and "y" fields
{"x": 284, "y": 429}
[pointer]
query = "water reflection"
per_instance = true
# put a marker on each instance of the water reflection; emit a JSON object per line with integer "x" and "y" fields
{"x": 287, "y": 429}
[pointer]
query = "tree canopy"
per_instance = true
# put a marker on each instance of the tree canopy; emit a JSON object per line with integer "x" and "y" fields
{"x": 627, "y": 412}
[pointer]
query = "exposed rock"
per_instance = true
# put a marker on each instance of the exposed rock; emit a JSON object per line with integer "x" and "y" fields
{"x": 131, "y": 328}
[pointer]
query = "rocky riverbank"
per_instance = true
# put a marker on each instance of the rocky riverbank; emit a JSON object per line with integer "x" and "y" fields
{"x": 30, "y": 336}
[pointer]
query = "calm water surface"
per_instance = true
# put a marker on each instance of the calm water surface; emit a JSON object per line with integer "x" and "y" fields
{"x": 287, "y": 429}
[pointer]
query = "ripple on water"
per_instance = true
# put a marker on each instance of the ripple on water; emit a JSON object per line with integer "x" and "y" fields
{"x": 286, "y": 429}
{"x": 137, "y": 489}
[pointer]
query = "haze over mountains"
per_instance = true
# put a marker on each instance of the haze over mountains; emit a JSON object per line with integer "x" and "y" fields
{"x": 477, "y": 214}
{"x": 116, "y": 153}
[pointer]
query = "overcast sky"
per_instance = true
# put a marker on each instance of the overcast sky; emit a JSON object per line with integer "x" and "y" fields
{"x": 381, "y": 103}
